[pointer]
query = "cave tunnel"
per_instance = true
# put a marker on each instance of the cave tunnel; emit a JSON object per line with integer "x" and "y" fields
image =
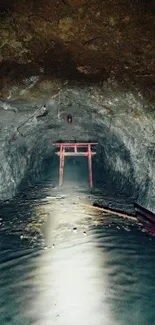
{"x": 77, "y": 71}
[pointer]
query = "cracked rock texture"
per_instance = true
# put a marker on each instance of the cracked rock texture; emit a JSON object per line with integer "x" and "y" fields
{"x": 94, "y": 60}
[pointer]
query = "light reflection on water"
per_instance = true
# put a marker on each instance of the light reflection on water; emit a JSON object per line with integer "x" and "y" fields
{"x": 73, "y": 287}
{"x": 103, "y": 273}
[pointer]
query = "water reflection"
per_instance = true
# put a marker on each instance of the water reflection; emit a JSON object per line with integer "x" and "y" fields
{"x": 85, "y": 268}
{"x": 66, "y": 272}
{"x": 72, "y": 286}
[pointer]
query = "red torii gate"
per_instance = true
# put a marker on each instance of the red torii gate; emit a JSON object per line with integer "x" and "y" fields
{"x": 62, "y": 153}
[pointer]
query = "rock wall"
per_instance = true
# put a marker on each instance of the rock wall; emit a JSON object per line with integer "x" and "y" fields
{"x": 119, "y": 119}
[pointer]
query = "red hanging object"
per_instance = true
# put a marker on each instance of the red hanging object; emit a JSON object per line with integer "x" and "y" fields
{"x": 69, "y": 119}
{"x": 14, "y": 138}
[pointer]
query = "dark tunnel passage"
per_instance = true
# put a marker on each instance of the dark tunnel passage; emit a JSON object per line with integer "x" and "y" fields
{"x": 75, "y": 171}
{"x": 123, "y": 163}
{"x": 113, "y": 166}
{"x": 77, "y": 72}
{"x": 73, "y": 263}
{"x": 104, "y": 174}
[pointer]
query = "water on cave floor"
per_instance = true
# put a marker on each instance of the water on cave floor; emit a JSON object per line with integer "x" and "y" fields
{"x": 62, "y": 262}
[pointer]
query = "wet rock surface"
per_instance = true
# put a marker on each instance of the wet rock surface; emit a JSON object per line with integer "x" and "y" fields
{"x": 117, "y": 119}
{"x": 94, "y": 39}
{"x": 93, "y": 60}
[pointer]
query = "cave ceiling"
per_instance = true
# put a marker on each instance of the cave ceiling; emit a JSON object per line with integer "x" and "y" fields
{"x": 65, "y": 41}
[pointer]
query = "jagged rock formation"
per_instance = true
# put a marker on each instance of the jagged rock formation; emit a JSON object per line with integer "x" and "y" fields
{"x": 93, "y": 59}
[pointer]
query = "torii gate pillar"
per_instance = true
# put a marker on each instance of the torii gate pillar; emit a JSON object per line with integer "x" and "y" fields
{"x": 75, "y": 151}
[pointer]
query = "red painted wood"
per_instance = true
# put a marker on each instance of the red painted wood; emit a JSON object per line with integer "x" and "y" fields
{"x": 77, "y": 144}
{"x": 61, "y": 166}
{"x": 90, "y": 166}
{"x": 74, "y": 154}
{"x": 62, "y": 154}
